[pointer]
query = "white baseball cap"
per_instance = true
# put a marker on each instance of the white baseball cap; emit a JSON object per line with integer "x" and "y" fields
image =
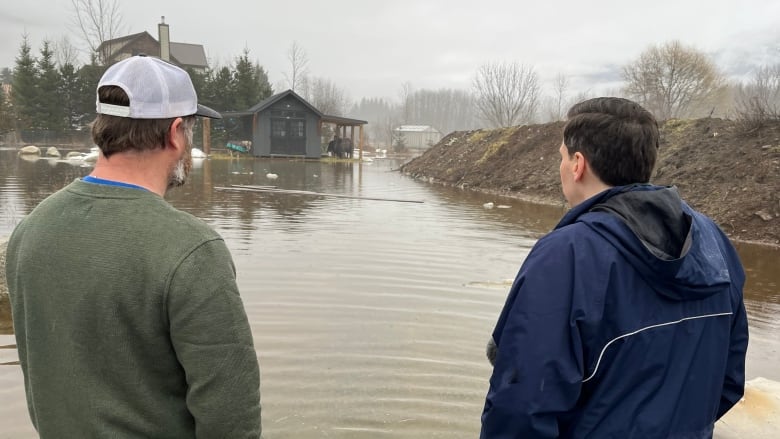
{"x": 157, "y": 90}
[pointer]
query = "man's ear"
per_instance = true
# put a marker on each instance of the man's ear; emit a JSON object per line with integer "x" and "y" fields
{"x": 174, "y": 137}
{"x": 580, "y": 164}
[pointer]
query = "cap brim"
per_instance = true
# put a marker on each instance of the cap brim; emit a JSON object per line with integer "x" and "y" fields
{"x": 207, "y": 112}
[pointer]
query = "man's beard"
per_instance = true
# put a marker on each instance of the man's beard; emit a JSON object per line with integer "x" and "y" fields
{"x": 181, "y": 170}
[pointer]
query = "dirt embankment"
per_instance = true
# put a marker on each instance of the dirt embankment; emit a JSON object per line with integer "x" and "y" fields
{"x": 732, "y": 177}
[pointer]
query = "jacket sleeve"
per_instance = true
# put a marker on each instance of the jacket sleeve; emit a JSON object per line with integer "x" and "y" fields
{"x": 213, "y": 342}
{"x": 538, "y": 371}
{"x": 734, "y": 381}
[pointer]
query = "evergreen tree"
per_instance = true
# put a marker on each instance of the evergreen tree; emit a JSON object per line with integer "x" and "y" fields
{"x": 88, "y": 78}
{"x": 69, "y": 95}
{"x": 246, "y": 86}
{"x": 24, "y": 93}
{"x": 221, "y": 91}
{"x": 48, "y": 103}
{"x": 199, "y": 81}
{"x": 261, "y": 76}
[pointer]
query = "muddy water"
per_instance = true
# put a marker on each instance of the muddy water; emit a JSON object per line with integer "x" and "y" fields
{"x": 370, "y": 317}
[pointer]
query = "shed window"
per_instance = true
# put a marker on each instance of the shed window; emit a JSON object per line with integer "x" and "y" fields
{"x": 298, "y": 128}
{"x": 278, "y": 128}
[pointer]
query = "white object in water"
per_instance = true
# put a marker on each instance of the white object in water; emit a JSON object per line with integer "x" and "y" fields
{"x": 93, "y": 155}
{"x": 271, "y": 176}
{"x": 197, "y": 153}
{"x": 488, "y": 205}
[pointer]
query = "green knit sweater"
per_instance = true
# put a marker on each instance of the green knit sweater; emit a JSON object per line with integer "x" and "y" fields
{"x": 128, "y": 320}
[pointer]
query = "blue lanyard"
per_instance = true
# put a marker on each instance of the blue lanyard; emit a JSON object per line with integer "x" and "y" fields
{"x": 95, "y": 180}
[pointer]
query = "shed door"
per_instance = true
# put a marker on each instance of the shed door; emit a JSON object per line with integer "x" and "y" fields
{"x": 288, "y": 136}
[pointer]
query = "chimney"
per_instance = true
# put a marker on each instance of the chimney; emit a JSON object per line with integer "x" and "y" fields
{"x": 164, "y": 35}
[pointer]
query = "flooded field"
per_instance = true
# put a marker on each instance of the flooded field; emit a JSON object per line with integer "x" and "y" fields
{"x": 370, "y": 317}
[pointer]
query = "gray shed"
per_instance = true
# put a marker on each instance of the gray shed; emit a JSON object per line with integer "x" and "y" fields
{"x": 285, "y": 125}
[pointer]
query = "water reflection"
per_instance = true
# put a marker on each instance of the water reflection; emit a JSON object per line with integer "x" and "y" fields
{"x": 370, "y": 317}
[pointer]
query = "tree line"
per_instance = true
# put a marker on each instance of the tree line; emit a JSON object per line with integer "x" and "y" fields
{"x": 671, "y": 80}
{"x": 50, "y": 93}
{"x": 47, "y": 96}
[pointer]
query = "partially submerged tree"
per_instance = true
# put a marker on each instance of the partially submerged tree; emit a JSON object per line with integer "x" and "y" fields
{"x": 506, "y": 94}
{"x": 672, "y": 80}
{"x": 97, "y": 21}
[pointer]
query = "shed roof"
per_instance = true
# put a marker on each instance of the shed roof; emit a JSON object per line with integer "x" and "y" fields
{"x": 339, "y": 120}
{"x": 417, "y": 129}
{"x": 267, "y": 102}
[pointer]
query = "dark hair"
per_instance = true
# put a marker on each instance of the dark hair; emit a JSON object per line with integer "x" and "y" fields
{"x": 618, "y": 137}
{"x": 113, "y": 134}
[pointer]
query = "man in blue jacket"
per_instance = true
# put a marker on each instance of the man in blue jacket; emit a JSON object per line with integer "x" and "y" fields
{"x": 627, "y": 320}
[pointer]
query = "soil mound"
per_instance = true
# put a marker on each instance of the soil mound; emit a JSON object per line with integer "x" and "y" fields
{"x": 730, "y": 176}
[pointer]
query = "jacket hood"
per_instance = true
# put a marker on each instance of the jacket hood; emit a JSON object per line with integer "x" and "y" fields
{"x": 662, "y": 238}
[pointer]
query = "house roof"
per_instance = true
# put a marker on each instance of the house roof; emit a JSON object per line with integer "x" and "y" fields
{"x": 189, "y": 54}
{"x": 120, "y": 43}
{"x": 184, "y": 54}
{"x": 417, "y": 129}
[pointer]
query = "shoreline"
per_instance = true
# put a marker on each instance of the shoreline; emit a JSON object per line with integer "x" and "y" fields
{"x": 549, "y": 201}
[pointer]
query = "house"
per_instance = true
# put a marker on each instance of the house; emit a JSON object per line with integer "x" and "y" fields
{"x": 184, "y": 55}
{"x": 286, "y": 125}
{"x": 418, "y": 136}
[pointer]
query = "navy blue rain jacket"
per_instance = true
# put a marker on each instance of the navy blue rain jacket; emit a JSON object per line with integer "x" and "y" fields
{"x": 626, "y": 321}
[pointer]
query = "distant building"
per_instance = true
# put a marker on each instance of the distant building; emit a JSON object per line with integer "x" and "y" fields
{"x": 286, "y": 125}
{"x": 184, "y": 55}
{"x": 418, "y": 136}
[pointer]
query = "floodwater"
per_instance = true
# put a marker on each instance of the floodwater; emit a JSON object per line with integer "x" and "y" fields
{"x": 369, "y": 317}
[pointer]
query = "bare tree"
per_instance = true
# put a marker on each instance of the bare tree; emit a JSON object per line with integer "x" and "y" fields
{"x": 299, "y": 63}
{"x": 758, "y": 101}
{"x": 672, "y": 80}
{"x": 97, "y": 21}
{"x": 405, "y": 95}
{"x": 325, "y": 96}
{"x": 560, "y": 87}
{"x": 555, "y": 106}
{"x": 506, "y": 94}
{"x": 65, "y": 52}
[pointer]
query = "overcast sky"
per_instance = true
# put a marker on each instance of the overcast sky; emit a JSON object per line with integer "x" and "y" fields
{"x": 370, "y": 48}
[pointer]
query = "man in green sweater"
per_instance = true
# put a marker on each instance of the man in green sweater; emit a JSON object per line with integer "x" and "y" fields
{"x": 128, "y": 319}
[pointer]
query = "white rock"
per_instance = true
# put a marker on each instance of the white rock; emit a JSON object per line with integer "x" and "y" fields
{"x": 488, "y": 205}
{"x": 271, "y": 176}
{"x": 52, "y": 151}
{"x": 30, "y": 150}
